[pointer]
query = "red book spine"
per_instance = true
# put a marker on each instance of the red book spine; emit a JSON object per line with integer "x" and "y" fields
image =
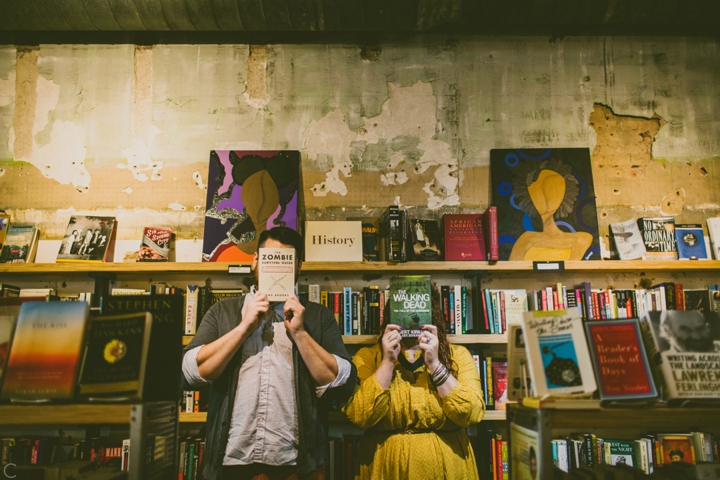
{"x": 485, "y": 311}
{"x": 679, "y": 297}
{"x": 544, "y": 300}
{"x": 498, "y": 459}
{"x": 556, "y": 300}
{"x": 490, "y": 222}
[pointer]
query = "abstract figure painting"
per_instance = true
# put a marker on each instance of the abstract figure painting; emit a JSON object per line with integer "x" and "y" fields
{"x": 546, "y": 204}
{"x": 248, "y": 192}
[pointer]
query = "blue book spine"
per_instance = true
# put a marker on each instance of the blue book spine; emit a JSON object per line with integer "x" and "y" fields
{"x": 347, "y": 313}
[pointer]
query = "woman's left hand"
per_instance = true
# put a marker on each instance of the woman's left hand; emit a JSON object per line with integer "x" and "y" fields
{"x": 428, "y": 342}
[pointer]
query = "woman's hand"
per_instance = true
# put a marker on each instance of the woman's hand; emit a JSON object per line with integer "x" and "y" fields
{"x": 428, "y": 342}
{"x": 391, "y": 343}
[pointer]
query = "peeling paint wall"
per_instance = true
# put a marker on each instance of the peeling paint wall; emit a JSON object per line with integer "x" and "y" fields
{"x": 126, "y": 130}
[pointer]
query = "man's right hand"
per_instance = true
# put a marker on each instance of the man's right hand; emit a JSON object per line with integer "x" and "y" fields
{"x": 255, "y": 312}
{"x": 391, "y": 343}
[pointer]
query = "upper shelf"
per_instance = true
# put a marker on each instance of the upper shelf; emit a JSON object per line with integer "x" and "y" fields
{"x": 218, "y": 267}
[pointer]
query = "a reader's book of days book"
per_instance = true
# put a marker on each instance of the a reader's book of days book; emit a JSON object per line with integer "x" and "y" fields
{"x": 558, "y": 354}
{"x": 45, "y": 353}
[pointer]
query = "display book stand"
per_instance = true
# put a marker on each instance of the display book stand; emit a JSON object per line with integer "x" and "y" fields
{"x": 153, "y": 429}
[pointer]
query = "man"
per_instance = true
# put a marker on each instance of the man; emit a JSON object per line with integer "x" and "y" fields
{"x": 274, "y": 369}
{"x": 686, "y": 331}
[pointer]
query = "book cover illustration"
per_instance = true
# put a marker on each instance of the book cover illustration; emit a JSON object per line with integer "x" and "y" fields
{"x": 713, "y": 224}
{"x": 276, "y": 273}
{"x": 115, "y": 356}
{"x": 500, "y": 383}
{"x": 248, "y": 192}
{"x": 557, "y": 352}
{"x": 410, "y": 303}
{"x": 697, "y": 299}
{"x": 20, "y": 244}
{"x": 46, "y": 349}
{"x": 546, "y": 205}
{"x": 464, "y": 238}
{"x": 659, "y": 237}
{"x": 690, "y": 242}
{"x": 155, "y": 245}
{"x": 619, "y": 451}
{"x": 677, "y": 448}
{"x": 87, "y": 239}
{"x": 426, "y": 240}
{"x": 628, "y": 239}
{"x": 621, "y": 366}
{"x": 524, "y": 453}
{"x": 683, "y": 347}
{"x": 4, "y": 225}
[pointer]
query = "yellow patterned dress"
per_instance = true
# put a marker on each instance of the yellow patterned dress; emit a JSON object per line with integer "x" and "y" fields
{"x": 411, "y": 433}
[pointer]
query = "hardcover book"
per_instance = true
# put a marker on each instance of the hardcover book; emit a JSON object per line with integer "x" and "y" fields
{"x": 713, "y": 224}
{"x": 619, "y": 451}
{"x": 391, "y": 239}
{"x": 165, "y": 352}
{"x": 276, "y": 273}
{"x": 155, "y": 245}
{"x": 464, "y": 237}
{"x": 628, "y": 239}
{"x": 546, "y": 204}
{"x": 621, "y": 366}
{"x": 116, "y": 356}
{"x": 659, "y": 237}
{"x": 697, "y": 299}
{"x": 20, "y": 244}
{"x": 46, "y": 349}
{"x": 690, "y": 242}
{"x": 557, "y": 351}
{"x": 519, "y": 383}
{"x": 490, "y": 230}
{"x": 410, "y": 304}
{"x": 9, "y": 311}
{"x": 87, "y": 239}
{"x": 333, "y": 241}
{"x": 500, "y": 383}
{"x": 370, "y": 240}
{"x": 248, "y": 192}
{"x": 425, "y": 240}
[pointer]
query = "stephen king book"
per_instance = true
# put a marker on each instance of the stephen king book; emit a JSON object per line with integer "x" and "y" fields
{"x": 410, "y": 304}
{"x": 46, "y": 350}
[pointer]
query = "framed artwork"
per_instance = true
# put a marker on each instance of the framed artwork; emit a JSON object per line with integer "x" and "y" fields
{"x": 546, "y": 204}
{"x": 248, "y": 192}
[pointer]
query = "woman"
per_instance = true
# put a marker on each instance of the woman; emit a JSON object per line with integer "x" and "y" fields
{"x": 414, "y": 399}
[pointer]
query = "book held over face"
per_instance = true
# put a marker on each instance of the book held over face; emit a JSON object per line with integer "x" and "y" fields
{"x": 410, "y": 303}
{"x": 276, "y": 273}
{"x": 87, "y": 239}
{"x": 155, "y": 245}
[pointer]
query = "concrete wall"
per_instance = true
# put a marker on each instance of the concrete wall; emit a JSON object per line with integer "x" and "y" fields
{"x": 126, "y": 130}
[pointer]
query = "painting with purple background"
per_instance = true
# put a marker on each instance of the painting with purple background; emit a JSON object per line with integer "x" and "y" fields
{"x": 546, "y": 204}
{"x": 248, "y": 192}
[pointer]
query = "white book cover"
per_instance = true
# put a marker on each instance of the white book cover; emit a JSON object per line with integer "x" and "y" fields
{"x": 713, "y": 224}
{"x": 191, "y": 302}
{"x": 519, "y": 383}
{"x": 558, "y": 354}
{"x": 333, "y": 241}
{"x": 276, "y": 273}
{"x": 628, "y": 239}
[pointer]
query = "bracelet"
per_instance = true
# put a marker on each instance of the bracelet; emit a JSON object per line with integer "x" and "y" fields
{"x": 443, "y": 379}
{"x": 440, "y": 375}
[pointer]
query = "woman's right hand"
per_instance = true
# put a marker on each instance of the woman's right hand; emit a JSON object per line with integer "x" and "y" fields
{"x": 391, "y": 343}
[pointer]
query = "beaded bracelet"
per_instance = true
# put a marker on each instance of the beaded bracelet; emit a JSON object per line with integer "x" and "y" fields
{"x": 440, "y": 375}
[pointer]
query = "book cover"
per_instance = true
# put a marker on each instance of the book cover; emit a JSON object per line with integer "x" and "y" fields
{"x": 619, "y": 451}
{"x": 628, "y": 239}
{"x": 155, "y": 245}
{"x": 713, "y": 224}
{"x": 9, "y": 312}
{"x": 546, "y": 204}
{"x": 370, "y": 234}
{"x": 500, "y": 383}
{"x": 248, "y": 192}
{"x": 690, "y": 242}
{"x": 518, "y": 377}
{"x": 391, "y": 242}
{"x": 20, "y": 244}
{"x": 659, "y": 237}
{"x": 276, "y": 273}
{"x": 165, "y": 351}
{"x": 557, "y": 351}
{"x": 4, "y": 225}
{"x": 464, "y": 238}
{"x": 116, "y": 356}
{"x": 46, "y": 349}
{"x": 410, "y": 304}
{"x": 87, "y": 239}
{"x": 677, "y": 448}
{"x": 622, "y": 370}
{"x": 425, "y": 240}
{"x": 333, "y": 241}
{"x": 697, "y": 299}
{"x": 525, "y": 453}
{"x": 683, "y": 349}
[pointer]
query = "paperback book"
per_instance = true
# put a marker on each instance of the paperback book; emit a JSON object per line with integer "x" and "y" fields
{"x": 20, "y": 244}
{"x": 690, "y": 242}
{"x": 276, "y": 273}
{"x": 46, "y": 350}
{"x": 659, "y": 237}
{"x": 628, "y": 239}
{"x": 87, "y": 239}
{"x": 426, "y": 240}
{"x": 410, "y": 303}
{"x": 713, "y": 224}
{"x": 557, "y": 351}
{"x": 155, "y": 245}
{"x": 4, "y": 225}
{"x": 619, "y": 452}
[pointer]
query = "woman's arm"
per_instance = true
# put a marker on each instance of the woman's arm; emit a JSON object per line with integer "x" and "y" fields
{"x": 464, "y": 404}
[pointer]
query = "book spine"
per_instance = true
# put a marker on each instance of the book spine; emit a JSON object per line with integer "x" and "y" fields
{"x": 445, "y": 295}
{"x": 191, "y": 300}
{"x": 324, "y": 298}
{"x": 503, "y": 313}
{"x": 493, "y": 246}
{"x": 347, "y": 310}
{"x": 463, "y": 307}
{"x": 314, "y": 293}
{"x": 354, "y": 307}
{"x": 486, "y": 317}
{"x": 458, "y": 309}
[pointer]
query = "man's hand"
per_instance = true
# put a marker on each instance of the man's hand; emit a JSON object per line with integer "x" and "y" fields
{"x": 294, "y": 316}
{"x": 255, "y": 312}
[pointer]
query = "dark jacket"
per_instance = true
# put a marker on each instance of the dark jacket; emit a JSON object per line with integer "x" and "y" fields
{"x": 312, "y": 411}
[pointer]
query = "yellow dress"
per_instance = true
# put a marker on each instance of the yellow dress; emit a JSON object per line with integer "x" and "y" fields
{"x": 412, "y": 433}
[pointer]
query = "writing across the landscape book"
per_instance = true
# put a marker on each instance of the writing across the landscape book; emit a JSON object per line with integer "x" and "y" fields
{"x": 410, "y": 303}
{"x": 276, "y": 273}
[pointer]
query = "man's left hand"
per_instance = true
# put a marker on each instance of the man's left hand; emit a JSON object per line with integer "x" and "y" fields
{"x": 294, "y": 315}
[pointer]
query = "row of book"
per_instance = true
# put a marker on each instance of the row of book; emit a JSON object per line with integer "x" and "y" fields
{"x": 199, "y": 299}
{"x": 194, "y": 401}
{"x": 54, "y": 450}
{"x": 492, "y": 454}
{"x": 648, "y": 453}
{"x": 191, "y": 457}
{"x": 493, "y": 381}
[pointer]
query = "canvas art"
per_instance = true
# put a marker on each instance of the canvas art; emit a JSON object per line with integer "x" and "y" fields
{"x": 248, "y": 193}
{"x": 546, "y": 204}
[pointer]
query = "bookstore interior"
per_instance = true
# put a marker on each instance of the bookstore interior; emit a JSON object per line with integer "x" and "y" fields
{"x": 313, "y": 259}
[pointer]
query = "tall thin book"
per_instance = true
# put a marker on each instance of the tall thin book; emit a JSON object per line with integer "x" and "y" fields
{"x": 46, "y": 349}
{"x": 87, "y": 239}
{"x": 276, "y": 273}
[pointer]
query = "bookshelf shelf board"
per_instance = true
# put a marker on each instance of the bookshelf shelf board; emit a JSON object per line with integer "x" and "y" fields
{"x": 187, "y": 417}
{"x": 221, "y": 267}
{"x": 337, "y": 416}
{"x": 468, "y": 339}
{"x": 54, "y": 414}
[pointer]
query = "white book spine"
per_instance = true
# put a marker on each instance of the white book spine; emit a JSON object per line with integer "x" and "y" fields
{"x": 458, "y": 309}
{"x": 314, "y": 293}
{"x": 191, "y": 301}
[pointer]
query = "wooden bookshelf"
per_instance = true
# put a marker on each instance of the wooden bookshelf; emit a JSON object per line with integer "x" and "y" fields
{"x": 54, "y": 414}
